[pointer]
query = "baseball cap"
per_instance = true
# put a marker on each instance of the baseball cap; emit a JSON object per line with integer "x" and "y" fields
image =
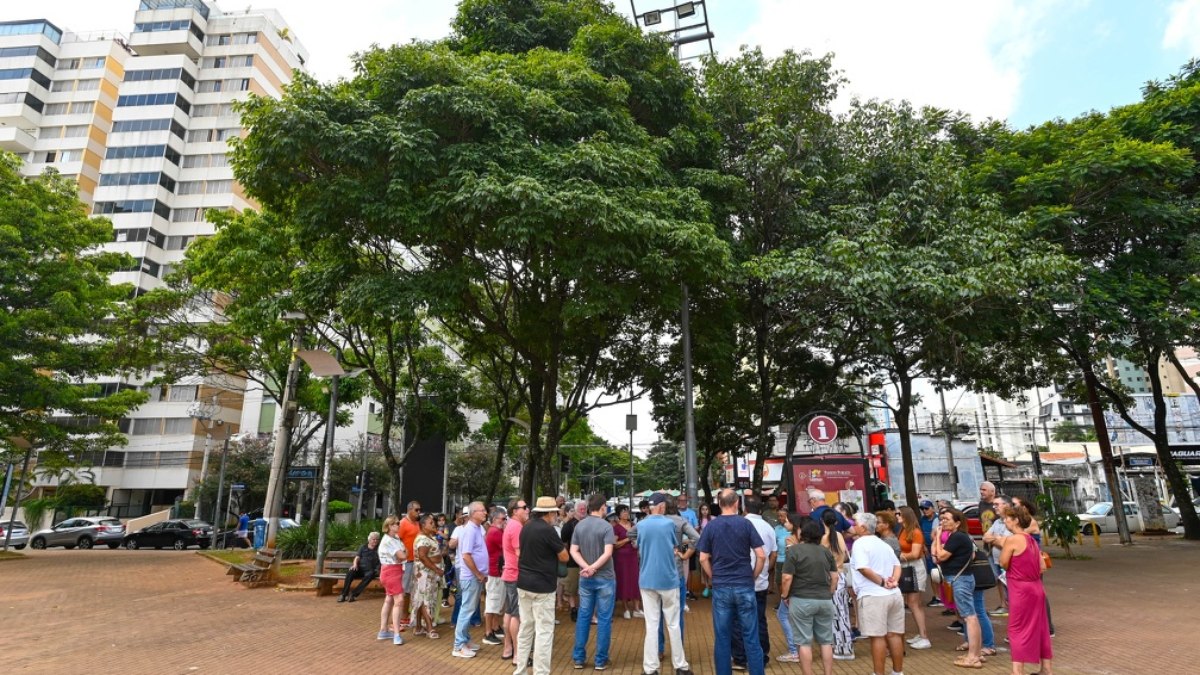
{"x": 466, "y": 510}
{"x": 657, "y": 498}
{"x": 926, "y": 504}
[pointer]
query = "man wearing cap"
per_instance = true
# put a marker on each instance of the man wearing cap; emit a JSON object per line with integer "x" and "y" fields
{"x": 541, "y": 551}
{"x": 658, "y": 580}
{"x": 927, "y": 519}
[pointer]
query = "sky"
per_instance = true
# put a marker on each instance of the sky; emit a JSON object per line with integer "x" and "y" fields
{"x": 1023, "y": 61}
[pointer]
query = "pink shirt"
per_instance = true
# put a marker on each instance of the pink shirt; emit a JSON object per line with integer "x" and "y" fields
{"x": 510, "y": 544}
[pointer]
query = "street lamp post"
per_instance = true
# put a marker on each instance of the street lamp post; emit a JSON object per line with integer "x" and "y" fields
{"x": 283, "y": 439}
{"x": 631, "y": 426}
{"x": 327, "y": 470}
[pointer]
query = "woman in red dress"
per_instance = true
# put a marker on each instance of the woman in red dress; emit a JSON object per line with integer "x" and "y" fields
{"x": 1028, "y": 625}
{"x": 625, "y": 563}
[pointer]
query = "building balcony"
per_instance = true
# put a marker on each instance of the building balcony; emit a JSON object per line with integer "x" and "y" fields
{"x": 157, "y": 43}
{"x": 16, "y": 140}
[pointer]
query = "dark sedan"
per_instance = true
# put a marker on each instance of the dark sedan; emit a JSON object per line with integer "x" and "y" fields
{"x": 176, "y": 534}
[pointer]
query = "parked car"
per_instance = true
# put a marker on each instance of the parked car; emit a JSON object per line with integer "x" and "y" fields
{"x": 1101, "y": 518}
{"x": 84, "y": 532}
{"x": 20, "y": 534}
{"x": 1195, "y": 503}
{"x": 176, "y": 534}
{"x": 974, "y": 525}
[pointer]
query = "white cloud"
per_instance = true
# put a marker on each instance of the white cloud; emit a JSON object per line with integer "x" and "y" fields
{"x": 970, "y": 56}
{"x": 1183, "y": 26}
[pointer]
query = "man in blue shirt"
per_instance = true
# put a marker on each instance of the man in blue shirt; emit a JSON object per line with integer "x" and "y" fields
{"x": 659, "y": 582}
{"x": 243, "y": 530}
{"x": 816, "y": 502}
{"x": 725, "y": 552}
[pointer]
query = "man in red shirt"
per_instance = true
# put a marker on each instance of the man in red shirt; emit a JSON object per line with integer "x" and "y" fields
{"x": 493, "y": 603}
{"x": 518, "y": 513}
{"x": 410, "y": 527}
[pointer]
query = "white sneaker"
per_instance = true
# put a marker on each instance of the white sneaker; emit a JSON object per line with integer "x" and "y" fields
{"x": 922, "y": 643}
{"x": 638, "y": 614}
{"x": 687, "y": 607}
{"x": 843, "y": 657}
{"x": 627, "y": 615}
{"x": 463, "y": 653}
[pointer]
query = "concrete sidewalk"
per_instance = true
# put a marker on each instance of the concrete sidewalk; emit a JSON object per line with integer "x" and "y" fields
{"x": 1125, "y": 611}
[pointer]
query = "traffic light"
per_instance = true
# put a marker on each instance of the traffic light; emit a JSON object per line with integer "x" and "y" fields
{"x": 365, "y": 481}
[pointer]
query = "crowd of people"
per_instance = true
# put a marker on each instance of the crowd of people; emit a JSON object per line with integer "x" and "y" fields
{"x": 838, "y": 575}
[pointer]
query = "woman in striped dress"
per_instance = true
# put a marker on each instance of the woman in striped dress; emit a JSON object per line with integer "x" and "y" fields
{"x": 843, "y": 638}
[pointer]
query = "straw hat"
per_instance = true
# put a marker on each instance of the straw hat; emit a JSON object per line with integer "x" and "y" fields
{"x": 545, "y": 505}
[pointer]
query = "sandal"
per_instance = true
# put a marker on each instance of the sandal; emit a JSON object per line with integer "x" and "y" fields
{"x": 433, "y": 635}
{"x": 987, "y": 651}
{"x": 962, "y": 648}
{"x": 418, "y": 632}
{"x": 965, "y": 662}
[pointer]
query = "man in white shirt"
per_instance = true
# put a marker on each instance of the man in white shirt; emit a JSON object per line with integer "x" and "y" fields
{"x": 876, "y": 576}
{"x": 753, "y": 506}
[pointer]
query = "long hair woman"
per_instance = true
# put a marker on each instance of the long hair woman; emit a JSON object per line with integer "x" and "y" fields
{"x": 912, "y": 555}
{"x": 427, "y": 578}
{"x": 1028, "y": 622}
{"x": 843, "y": 632}
{"x": 810, "y": 576}
{"x": 392, "y": 555}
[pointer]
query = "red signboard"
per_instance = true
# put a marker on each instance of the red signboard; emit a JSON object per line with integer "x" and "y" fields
{"x": 843, "y": 478}
{"x": 822, "y": 429}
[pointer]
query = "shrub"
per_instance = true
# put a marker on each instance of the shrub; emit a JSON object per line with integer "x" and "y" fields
{"x": 338, "y": 506}
{"x": 80, "y": 495}
{"x": 301, "y": 542}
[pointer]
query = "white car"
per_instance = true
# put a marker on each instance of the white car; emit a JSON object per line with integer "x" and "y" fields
{"x": 1103, "y": 519}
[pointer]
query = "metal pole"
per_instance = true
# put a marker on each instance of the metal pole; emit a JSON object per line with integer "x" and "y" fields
{"x": 361, "y": 484}
{"x": 8, "y": 473}
{"x": 1037, "y": 459}
{"x": 203, "y": 470}
{"x": 283, "y": 442}
{"x": 17, "y": 502}
{"x": 689, "y": 429}
{"x": 949, "y": 445}
{"x": 218, "y": 517}
{"x": 326, "y": 478}
{"x": 631, "y": 425}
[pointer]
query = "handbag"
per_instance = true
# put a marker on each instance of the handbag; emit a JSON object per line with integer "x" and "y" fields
{"x": 908, "y": 579}
{"x": 936, "y": 574}
{"x": 562, "y": 570}
{"x": 985, "y": 575}
{"x": 1047, "y": 563}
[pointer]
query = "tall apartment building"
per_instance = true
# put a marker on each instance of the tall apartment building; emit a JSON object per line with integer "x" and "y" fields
{"x": 141, "y": 122}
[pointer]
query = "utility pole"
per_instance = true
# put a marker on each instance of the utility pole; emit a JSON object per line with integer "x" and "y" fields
{"x": 949, "y": 445}
{"x": 1037, "y": 458}
{"x": 631, "y": 426}
{"x": 283, "y": 440}
{"x": 325, "y": 473}
{"x": 218, "y": 516}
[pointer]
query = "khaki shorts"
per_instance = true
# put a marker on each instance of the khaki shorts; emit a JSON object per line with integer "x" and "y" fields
{"x": 493, "y": 602}
{"x": 571, "y": 583}
{"x": 879, "y": 615}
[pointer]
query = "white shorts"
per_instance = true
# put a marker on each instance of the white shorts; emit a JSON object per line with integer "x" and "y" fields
{"x": 493, "y": 602}
{"x": 879, "y": 615}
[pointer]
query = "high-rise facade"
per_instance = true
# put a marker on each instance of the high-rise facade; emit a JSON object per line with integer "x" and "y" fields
{"x": 142, "y": 123}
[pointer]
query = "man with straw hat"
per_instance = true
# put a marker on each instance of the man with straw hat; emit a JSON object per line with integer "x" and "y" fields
{"x": 541, "y": 551}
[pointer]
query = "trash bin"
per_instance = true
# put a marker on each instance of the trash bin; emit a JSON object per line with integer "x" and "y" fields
{"x": 260, "y": 533}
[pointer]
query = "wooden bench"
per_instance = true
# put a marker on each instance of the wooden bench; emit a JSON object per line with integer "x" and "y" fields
{"x": 257, "y": 572}
{"x": 336, "y": 565}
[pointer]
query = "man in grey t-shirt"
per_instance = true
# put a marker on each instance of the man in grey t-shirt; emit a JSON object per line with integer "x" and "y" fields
{"x": 592, "y": 548}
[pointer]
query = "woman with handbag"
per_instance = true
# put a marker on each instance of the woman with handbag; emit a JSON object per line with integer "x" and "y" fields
{"x": 1034, "y": 530}
{"x": 912, "y": 557}
{"x": 1028, "y": 623}
{"x": 955, "y": 558}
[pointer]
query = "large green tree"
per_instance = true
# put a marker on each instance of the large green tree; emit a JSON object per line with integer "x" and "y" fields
{"x": 548, "y": 197}
{"x": 927, "y": 273}
{"x": 57, "y": 327}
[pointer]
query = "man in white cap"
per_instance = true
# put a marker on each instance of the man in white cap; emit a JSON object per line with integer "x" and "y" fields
{"x": 541, "y": 551}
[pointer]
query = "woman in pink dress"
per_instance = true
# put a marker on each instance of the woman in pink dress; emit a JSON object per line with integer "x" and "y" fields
{"x": 1028, "y": 625}
{"x": 625, "y": 564}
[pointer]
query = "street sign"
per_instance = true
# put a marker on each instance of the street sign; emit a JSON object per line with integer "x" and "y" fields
{"x": 237, "y": 487}
{"x": 822, "y": 429}
{"x": 302, "y": 473}
{"x": 355, "y": 490}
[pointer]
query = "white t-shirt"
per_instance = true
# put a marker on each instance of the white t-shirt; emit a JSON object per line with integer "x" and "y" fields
{"x": 391, "y": 550}
{"x": 872, "y": 553}
{"x": 767, "y": 534}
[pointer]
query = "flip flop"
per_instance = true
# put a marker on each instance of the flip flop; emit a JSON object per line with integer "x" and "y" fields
{"x": 433, "y": 635}
{"x": 987, "y": 651}
{"x": 962, "y": 648}
{"x": 963, "y": 662}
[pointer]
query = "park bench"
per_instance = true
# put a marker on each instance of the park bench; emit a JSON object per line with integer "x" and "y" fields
{"x": 256, "y": 572}
{"x": 336, "y": 564}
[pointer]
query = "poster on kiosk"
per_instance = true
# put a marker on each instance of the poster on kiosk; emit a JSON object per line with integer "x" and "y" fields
{"x": 843, "y": 478}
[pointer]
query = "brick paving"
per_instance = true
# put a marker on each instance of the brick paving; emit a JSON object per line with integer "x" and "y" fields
{"x": 1125, "y": 611}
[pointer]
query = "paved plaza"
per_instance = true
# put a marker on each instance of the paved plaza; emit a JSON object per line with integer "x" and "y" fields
{"x": 1125, "y": 611}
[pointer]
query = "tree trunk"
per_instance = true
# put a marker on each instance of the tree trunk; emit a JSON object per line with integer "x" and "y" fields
{"x": 1187, "y": 510}
{"x": 1110, "y": 471}
{"x": 1175, "y": 481}
{"x": 765, "y": 403}
{"x": 501, "y": 449}
{"x": 903, "y": 415}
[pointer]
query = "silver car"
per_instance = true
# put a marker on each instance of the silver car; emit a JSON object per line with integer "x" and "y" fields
{"x": 19, "y": 537}
{"x": 1102, "y": 518}
{"x": 84, "y": 532}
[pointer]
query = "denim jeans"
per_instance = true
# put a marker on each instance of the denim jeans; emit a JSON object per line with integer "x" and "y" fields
{"x": 599, "y": 595}
{"x": 970, "y": 601}
{"x": 728, "y": 603}
{"x": 470, "y": 589}
{"x": 764, "y": 640}
{"x": 476, "y": 620}
{"x": 663, "y": 621}
{"x": 782, "y": 613}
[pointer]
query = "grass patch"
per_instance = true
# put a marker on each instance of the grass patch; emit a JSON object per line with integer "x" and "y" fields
{"x": 231, "y": 555}
{"x": 12, "y": 555}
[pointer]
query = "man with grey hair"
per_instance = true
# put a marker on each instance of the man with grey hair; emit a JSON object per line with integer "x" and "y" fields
{"x": 875, "y": 571}
{"x": 818, "y": 507}
{"x": 365, "y": 567}
{"x": 472, "y": 568}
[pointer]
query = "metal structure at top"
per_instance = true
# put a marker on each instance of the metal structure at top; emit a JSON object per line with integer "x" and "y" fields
{"x": 685, "y": 23}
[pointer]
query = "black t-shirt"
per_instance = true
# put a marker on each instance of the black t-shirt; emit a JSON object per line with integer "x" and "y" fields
{"x": 368, "y": 559}
{"x": 961, "y": 549}
{"x": 537, "y": 568}
{"x": 568, "y": 530}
